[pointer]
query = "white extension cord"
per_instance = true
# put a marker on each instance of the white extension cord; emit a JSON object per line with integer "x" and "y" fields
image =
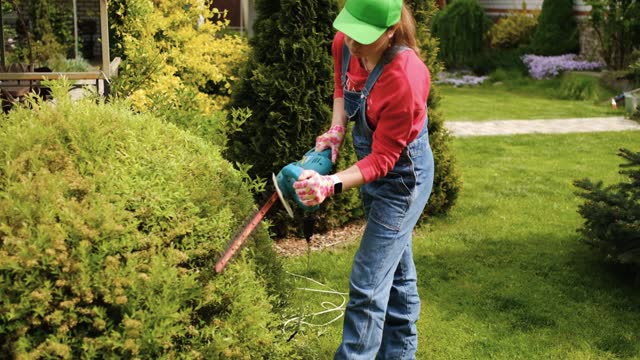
{"x": 328, "y": 306}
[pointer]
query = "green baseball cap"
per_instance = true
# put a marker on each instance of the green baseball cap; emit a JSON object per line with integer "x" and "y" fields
{"x": 366, "y": 20}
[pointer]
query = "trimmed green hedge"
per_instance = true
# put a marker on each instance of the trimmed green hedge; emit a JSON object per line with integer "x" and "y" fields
{"x": 110, "y": 226}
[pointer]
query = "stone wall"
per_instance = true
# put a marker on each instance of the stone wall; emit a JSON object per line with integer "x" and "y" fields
{"x": 501, "y": 7}
{"x": 590, "y": 48}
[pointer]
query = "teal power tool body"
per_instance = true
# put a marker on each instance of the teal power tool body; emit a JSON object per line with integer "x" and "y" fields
{"x": 283, "y": 182}
{"x": 312, "y": 160}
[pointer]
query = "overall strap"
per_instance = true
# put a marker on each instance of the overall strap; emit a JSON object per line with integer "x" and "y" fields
{"x": 387, "y": 57}
{"x": 346, "y": 56}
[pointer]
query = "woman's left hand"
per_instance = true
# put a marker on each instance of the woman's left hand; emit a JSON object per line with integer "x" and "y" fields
{"x": 313, "y": 188}
{"x": 332, "y": 139}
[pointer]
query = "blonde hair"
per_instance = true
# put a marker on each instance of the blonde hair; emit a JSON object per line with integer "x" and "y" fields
{"x": 405, "y": 30}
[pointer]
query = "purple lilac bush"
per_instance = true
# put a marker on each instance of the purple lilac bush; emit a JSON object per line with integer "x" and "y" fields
{"x": 456, "y": 80}
{"x": 549, "y": 66}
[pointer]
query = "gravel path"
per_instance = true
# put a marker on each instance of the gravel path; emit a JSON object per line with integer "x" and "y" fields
{"x": 512, "y": 127}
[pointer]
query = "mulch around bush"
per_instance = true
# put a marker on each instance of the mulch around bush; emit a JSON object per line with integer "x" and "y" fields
{"x": 296, "y": 246}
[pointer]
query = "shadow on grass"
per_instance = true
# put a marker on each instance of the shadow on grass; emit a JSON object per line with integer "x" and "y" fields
{"x": 542, "y": 285}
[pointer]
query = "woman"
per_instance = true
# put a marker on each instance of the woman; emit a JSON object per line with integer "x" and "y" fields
{"x": 382, "y": 85}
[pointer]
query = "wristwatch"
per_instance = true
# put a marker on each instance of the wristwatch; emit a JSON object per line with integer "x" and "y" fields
{"x": 337, "y": 184}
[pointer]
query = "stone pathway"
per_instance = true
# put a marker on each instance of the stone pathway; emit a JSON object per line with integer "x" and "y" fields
{"x": 511, "y": 127}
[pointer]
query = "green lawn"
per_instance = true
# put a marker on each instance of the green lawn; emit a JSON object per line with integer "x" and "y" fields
{"x": 506, "y": 276}
{"x": 520, "y": 99}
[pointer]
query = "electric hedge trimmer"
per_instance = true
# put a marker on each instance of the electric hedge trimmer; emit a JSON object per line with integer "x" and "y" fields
{"x": 283, "y": 182}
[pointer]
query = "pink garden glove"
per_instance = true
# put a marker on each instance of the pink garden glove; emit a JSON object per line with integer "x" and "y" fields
{"x": 332, "y": 139}
{"x": 312, "y": 188}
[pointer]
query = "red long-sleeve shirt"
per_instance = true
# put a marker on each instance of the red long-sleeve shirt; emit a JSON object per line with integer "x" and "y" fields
{"x": 396, "y": 106}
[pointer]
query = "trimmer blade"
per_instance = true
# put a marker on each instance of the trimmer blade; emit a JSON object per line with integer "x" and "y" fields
{"x": 282, "y": 199}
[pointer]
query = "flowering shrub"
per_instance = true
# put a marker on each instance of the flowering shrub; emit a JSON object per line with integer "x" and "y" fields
{"x": 549, "y": 66}
{"x": 169, "y": 49}
{"x": 448, "y": 78}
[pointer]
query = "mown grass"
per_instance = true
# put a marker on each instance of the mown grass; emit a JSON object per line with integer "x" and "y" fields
{"x": 506, "y": 276}
{"x": 510, "y": 96}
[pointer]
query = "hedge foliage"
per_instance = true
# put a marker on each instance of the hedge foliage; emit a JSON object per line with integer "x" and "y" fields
{"x": 174, "y": 51}
{"x": 617, "y": 25}
{"x": 611, "y": 214}
{"x": 110, "y": 226}
{"x": 557, "y": 31}
{"x": 287, "y": 84}
{"x": 462, "y": 28}
{"x": 447, "y": 181}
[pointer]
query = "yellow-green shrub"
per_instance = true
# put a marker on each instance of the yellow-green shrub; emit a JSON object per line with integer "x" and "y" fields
{"x": 167, "y": 47}
{"x": 110, "y": 225}
{"x": 513, "y": 30}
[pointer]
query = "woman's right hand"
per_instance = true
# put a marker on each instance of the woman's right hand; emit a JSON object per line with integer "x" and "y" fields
{"x": 332, "y": 139}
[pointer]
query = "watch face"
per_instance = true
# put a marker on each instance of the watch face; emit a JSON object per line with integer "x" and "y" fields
{"x": 337, "y": 188}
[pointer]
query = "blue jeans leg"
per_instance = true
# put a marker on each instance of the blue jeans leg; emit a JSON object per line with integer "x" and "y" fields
{"x": 380, "y": 319}
{"x": 400, "y": 334}
{"x": 374, "y": 266}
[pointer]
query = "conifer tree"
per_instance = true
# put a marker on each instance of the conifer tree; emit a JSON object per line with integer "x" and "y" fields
{"x": 447, "y": 182}
{"x": 612, "y": 214}
{"x": 286, "y": 83}
{"x": 557, "y": 31}
{"x": 461, "y": 28}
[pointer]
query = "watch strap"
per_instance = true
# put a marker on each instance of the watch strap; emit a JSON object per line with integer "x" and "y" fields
{"x": 337, "y": 184}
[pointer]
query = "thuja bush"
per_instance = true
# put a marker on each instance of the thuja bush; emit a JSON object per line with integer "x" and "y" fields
{"x": 423, "y": 13}
{"x": 557, "y": 31}
{"x": 612, "y": 225}
{"x": 110, "y": 226}
{"x": 447, "y": 181}
{"x": 462, "y": 29}
{"x": 288, "y": 86}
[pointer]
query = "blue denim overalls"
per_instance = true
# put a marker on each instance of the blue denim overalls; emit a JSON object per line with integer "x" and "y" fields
{"x": 380, "y": 319}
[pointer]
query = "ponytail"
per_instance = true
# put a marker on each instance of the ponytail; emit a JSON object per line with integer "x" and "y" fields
{"x": 405, "y": 33}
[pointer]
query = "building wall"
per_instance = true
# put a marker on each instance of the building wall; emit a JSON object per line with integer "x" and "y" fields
{"x": 233, "y": 11}
{"x": 501, "y": 7}
{"x": 240, "y": 13}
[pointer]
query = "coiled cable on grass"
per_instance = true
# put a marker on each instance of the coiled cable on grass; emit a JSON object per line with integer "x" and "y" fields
{"x": 328, "y": 306}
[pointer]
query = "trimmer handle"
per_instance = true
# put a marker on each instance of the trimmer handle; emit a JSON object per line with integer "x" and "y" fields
{"x": 292, "y": 171}
{"x": 291, "y": 174}
{"x": 312, "y": 160}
